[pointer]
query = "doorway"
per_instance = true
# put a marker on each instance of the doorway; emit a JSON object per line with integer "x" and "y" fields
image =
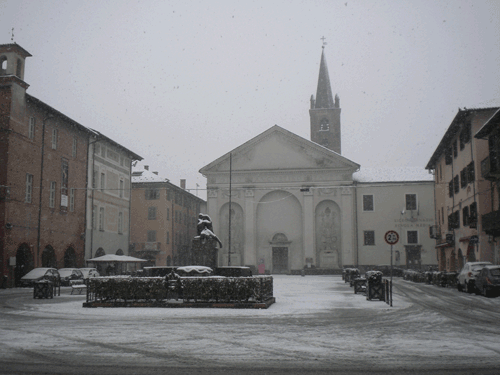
{"x": 280, "y": 260}
{"x": 413, "y": 256}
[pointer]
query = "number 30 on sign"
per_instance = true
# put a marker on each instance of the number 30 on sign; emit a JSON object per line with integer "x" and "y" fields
{"x": 391, "y": 237}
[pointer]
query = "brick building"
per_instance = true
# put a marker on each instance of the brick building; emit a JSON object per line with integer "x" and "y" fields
{"x": 43, "y": 163}
{"x": 164, "y": 219}
{"x": 46, "y": 166}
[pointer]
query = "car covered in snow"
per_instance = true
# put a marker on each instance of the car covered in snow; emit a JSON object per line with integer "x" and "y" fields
{"x": 89, "y": 272}
{"x": 466, "y": 280}
{"x": 39, "y": 274}
{"x": 488, "y": 281}
{"x": 68, "y": 274}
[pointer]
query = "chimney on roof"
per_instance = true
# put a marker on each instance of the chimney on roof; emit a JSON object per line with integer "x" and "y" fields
{"x": 183, "y": 184}
{"x": 146, "y": 167}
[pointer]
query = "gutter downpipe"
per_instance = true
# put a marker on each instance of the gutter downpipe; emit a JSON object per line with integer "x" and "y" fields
{"x": 356, "y": 223}
{"x": 37, "y": 263}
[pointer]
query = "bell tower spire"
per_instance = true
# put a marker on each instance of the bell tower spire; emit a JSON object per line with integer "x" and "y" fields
{"x": 325, "y": 110}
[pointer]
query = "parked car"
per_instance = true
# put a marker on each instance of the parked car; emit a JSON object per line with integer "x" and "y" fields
{"x": 488, "y": 281}
{"x": 466, "y": 280}
{"x": 38, "y": 274}
{"x": 68, "y": 274}
{"x": 89, "y": 272}
{"x": 386, "y": 270}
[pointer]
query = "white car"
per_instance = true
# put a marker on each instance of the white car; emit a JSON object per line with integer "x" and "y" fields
{"x": 89, "y": 272}
{"x": 466, "y": 280}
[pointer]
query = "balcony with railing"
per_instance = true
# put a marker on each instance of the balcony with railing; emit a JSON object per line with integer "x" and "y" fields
{"x": 491, "y": 223}
{"x": 490, "y": 168}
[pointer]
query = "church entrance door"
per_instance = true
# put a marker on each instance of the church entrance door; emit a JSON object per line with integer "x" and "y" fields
{"x": 280, "y": 260}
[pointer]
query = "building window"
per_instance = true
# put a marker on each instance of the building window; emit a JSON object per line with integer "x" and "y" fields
{"x": 54, "y": 139}
{"x": 151, "y": 236}
{"x": 369, "y": 237}
{"x": 454, "y": 220}
{"x": 29, "y": 188}
{"x": 103, "y": 181}
{"x": 456, "y": 186}
{"x": 450, "y": 189}
{"x": 465, "y": 216}
{"x": 470, "y": 172}
{"x": 94, "y": 178}
{"x": 74, "y": 147}
{"x": 473, "y": 215}
{"x": 152, "y": 194}
{"x": 465, "y": 135}
{"x": 463, "y": 177}
{"x": 442, "y": 215}
{"x": 324, "y": 125}
{"x": 72, "y": 199}
{"x": 151, "y": 213}
{"x": 367, "y": 202}
{"x": 121, "y": 188}
{"x": 94, "y": 217}
{"x": 168, "y": 237}
{"x": 52, "y": 194}
{"x": 448, "y": 156}
{"x": 31, "y": 128}
{"x": 168, "y": 213}
{"x": 412, "y": 237}
{"x": 120, "y": 222}
{"x": 411, "y": 202}
{"x": 101, "y": 219}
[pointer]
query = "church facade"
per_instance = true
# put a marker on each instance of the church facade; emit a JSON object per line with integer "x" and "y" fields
{"x": 282, "y": 203}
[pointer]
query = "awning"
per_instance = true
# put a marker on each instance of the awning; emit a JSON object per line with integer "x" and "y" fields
{"x": 116, "y": 258}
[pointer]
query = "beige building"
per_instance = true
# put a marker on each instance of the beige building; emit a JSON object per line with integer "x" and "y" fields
{"x": 164, "y": 219}
{"x": 108, "y": 197}
{"x": 462, "y": 192}
{"x": 490, "y": 171}
{"x": 398, "y": 199}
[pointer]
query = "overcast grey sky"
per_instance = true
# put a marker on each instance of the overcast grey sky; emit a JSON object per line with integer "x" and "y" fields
{"x": 183, "y": 82}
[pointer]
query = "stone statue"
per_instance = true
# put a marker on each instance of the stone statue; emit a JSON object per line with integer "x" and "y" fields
{"x": 205, "y": 229}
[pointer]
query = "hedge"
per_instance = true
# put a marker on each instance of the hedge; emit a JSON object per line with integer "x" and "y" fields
{"x": 197, "y": 289}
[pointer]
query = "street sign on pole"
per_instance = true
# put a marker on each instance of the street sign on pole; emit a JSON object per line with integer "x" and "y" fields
{"x": 391, "y": 237}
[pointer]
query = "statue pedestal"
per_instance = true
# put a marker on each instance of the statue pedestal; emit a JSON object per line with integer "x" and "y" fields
{"x": 205, "y": 252}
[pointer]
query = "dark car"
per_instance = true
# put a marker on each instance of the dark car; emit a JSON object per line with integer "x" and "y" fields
{"x": 38, "y": 274}
{"x": 488, "y": 281}
{"x": 386, "y": 270}
{"x": 68, "y": 274}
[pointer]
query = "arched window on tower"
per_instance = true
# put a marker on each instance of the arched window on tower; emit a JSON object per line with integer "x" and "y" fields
{"x": 324, "y": 125}
{"x": 3, "y": 65}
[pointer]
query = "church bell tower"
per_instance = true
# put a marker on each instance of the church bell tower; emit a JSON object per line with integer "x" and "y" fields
{"x": 325, "y": 111}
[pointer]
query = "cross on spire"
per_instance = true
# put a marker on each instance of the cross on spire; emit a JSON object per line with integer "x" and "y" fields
{"x": 324, "y": 43}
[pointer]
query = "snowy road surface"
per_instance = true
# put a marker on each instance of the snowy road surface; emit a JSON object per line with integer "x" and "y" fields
{"x": 317, "y": 326}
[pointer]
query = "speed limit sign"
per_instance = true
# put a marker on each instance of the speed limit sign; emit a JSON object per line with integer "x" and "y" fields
{"x": 391, "y": 237}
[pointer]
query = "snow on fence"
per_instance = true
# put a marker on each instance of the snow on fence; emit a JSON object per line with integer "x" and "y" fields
{"x": 197, "y": 289}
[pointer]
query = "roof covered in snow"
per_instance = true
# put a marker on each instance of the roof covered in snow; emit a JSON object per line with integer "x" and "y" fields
{"x": 142, "y": 173}
{"x": 392, "y": 174}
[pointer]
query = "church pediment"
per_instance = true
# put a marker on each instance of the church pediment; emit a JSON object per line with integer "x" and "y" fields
{"x": 279, "y": 149}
